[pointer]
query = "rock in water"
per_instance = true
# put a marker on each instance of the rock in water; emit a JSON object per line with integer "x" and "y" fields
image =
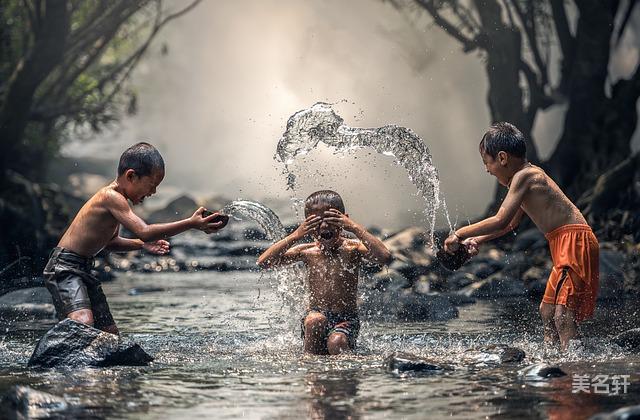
{"x": 493, "y": 354}
{"x": 453, "y": 261}
{"x": 23, "y": 402}
{"x": 540, "y": 372}
{"x": 629, "y": 339}
{"x": 405, "y": 362}
{"x": 73, "y": 344}
{"x": 624, "y": 413}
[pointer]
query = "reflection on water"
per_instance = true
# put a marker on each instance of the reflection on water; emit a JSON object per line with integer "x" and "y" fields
{"x": 222, "y": 351}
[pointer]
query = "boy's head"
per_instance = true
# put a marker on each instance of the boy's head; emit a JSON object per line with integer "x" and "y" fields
{"x": 140, "y": 171}
{"x": 503, "y": 150}
{"x": 316, "y": 204}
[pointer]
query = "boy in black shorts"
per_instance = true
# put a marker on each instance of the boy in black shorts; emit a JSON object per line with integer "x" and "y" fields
{"x": 331, "y": 323}
{"x": 76, "y": 293}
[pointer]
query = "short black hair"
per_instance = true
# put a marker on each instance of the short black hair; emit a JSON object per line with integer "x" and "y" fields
{"x": 503, "y": 136}
{"x": 327, "y": 197}
{"x": 143, "y": 158}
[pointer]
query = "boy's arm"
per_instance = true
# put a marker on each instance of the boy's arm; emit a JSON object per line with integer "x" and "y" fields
{"x": 120, "y": 244}
{"x": 494, "y": 224}
{"x": 511, "y": 226}
{"x": 372, "y": 248}
{"x": 282, "y": 252}
{"x": 119, "y": 208}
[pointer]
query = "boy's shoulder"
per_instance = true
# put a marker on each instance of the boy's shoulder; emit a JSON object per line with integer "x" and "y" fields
{"x": 108, "y": 194}
{"x": 305, "y": 247}
{"x": 528, "y": 176}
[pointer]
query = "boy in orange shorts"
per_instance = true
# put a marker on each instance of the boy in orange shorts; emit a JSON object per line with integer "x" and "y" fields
{"x": 572, "y": 288}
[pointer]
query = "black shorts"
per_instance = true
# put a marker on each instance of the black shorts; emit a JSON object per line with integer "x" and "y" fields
{"x": 347, "y": 324}
{"x": 68, "y": 278}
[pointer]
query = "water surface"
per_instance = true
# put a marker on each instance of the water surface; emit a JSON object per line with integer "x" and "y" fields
{"x": 223, "y": 350}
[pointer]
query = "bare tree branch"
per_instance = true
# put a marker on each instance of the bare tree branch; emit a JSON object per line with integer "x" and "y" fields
{"x": 118, "y": 75}
{"x": 528, "y": 24}
{"x": 468, "y": 44}
{"x": 625, "y": 20}
{"x": 567, "y": 41}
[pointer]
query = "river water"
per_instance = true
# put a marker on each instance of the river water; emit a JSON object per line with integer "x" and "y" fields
{"x": 223, "y": 350}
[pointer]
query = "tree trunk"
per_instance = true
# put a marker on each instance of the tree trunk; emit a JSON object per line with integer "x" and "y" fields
{"x": 503, "y": 45}
{"x": 46, "y": 53}
{"x": 591, "y": 141}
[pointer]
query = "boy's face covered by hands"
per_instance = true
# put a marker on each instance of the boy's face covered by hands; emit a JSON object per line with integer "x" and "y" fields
{"x": 329, "y": 224}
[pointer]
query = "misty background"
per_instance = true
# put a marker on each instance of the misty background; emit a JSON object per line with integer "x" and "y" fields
{"x": 216, "y": 101}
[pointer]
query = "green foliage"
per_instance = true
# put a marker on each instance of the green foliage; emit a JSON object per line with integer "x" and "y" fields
{"x": 87, "y": 85}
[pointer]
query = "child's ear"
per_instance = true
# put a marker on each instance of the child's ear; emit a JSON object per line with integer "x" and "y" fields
{"x": 130, "y": 175}
{"x": 502, "y": 158}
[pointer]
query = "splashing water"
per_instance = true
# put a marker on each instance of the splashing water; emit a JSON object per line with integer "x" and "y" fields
{"x": 261, "y": 214}
{"x": 308, "y": 128}
{"x": 289, "y": 280}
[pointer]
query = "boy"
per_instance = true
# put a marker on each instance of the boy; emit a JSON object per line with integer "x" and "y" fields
{"x": 571, "y": 291}
{"x": 76, "y": 293}
{"x": 331, "y": 322}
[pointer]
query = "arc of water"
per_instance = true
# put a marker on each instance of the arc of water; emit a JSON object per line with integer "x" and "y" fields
{"x": 308, "y": 128}
{"x": 289, "y": 280}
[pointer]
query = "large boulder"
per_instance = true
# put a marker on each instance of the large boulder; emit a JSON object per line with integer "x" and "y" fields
{"x": 73, "y": 344}
{"x": 399, "y": 363}
{"x": 23, "y": 402}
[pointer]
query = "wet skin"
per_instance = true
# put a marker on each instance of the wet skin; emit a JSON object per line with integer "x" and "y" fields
{"x": 98, "y": 222}
{"x": 333, "y": 262}
{"x": 533, "y": 192}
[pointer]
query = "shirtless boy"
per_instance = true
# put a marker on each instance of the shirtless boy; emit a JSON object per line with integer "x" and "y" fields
{"x": 76, "y": 293}
{"x": 331, "y": 323}
{"x": 571, "y": 291}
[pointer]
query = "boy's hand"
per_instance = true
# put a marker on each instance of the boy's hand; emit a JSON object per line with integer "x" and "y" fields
{"x": 310, "y": 223}
{"x": 452, "y": 243}
{"x": 472, "y": 246}
{"x": 206, "y": 224}
{"x": 159, "y": 247}
{"x": 336, "y": 218}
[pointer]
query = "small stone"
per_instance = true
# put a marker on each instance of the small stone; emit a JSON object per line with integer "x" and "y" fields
{"x": 540, "y": 372}
{"x": 404, "y": 362}
{"x": 23, "y": 402}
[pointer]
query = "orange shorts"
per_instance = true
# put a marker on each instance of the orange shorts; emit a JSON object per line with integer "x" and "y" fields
{"x": 575, "y": 277}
